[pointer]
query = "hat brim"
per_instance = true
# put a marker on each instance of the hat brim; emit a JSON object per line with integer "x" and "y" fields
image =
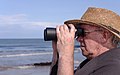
{"x": 77, "y": 22}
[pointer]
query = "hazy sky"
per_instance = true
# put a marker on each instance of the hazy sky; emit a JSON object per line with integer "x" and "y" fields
{"x": 28, "y": 18}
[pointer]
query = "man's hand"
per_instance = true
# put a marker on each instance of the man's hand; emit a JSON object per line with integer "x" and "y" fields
{"x": 65, "y": 47}
{"x": 65, "y": 39}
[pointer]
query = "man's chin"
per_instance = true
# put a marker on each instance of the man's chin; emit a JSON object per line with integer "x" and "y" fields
{"x": 89, "y": 55}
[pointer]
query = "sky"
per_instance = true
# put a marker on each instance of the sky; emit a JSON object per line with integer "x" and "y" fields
{"x": 29, "y": 18}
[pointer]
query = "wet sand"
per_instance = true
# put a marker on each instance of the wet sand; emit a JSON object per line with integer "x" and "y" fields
{"x": 29, "y": 69}
{"x": 25, "y": 70}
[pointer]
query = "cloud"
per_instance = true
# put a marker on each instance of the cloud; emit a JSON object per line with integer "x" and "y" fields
{"x": 12, "y": 25}
{"x": 12, "y": 19}
{"x": 21, "y": 19}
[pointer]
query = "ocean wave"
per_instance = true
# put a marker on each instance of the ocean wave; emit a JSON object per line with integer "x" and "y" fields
{"x": 30, "y": 54}
{"x": 24, "y": 67}
{"x": 27, "y": 66}
{"x": 27, "y": 50}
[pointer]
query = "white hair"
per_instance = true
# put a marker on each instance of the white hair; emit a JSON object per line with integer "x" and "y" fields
{"x": 116, "y": 41}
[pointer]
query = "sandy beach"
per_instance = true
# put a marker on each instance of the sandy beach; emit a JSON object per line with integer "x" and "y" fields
{"x": 25, "y": 70}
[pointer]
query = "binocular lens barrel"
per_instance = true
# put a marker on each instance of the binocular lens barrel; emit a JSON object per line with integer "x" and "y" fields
{"x": 50, "y": 33}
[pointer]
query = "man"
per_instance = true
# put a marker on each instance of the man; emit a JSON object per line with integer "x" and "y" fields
{"x": 99, "y": 44}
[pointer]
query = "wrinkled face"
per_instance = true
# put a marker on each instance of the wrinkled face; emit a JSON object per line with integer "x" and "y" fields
{"x": 91, "y": 41}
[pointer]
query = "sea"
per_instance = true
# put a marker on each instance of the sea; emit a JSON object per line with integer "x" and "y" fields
{"x": 18, "y": 56}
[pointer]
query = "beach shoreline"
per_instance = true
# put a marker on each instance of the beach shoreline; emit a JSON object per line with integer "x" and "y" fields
{"x": 26, "y": 70}
{"x": 42, "y": 68}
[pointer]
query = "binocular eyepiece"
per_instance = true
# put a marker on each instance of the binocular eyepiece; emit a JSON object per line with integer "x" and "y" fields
{"x": 50, "y": 33}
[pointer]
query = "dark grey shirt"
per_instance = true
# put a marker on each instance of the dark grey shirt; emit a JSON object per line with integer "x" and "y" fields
{"x": 107, "y": 63}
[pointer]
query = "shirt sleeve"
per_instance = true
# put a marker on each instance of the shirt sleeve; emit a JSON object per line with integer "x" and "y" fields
{"x": 54, "y": 69}
{"x": 112, "y": 69}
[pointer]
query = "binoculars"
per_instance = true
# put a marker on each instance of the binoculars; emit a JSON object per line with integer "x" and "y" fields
{"x": 50, "y": 33}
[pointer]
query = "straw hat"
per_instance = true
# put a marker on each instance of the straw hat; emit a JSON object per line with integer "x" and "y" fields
{"x": 99, "y": 17}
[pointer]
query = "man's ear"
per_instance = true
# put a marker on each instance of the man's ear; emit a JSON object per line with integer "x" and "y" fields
{"x": 106, "y": 36}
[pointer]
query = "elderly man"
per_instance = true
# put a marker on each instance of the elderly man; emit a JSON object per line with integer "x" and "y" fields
{"x": 99, "y": 44}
